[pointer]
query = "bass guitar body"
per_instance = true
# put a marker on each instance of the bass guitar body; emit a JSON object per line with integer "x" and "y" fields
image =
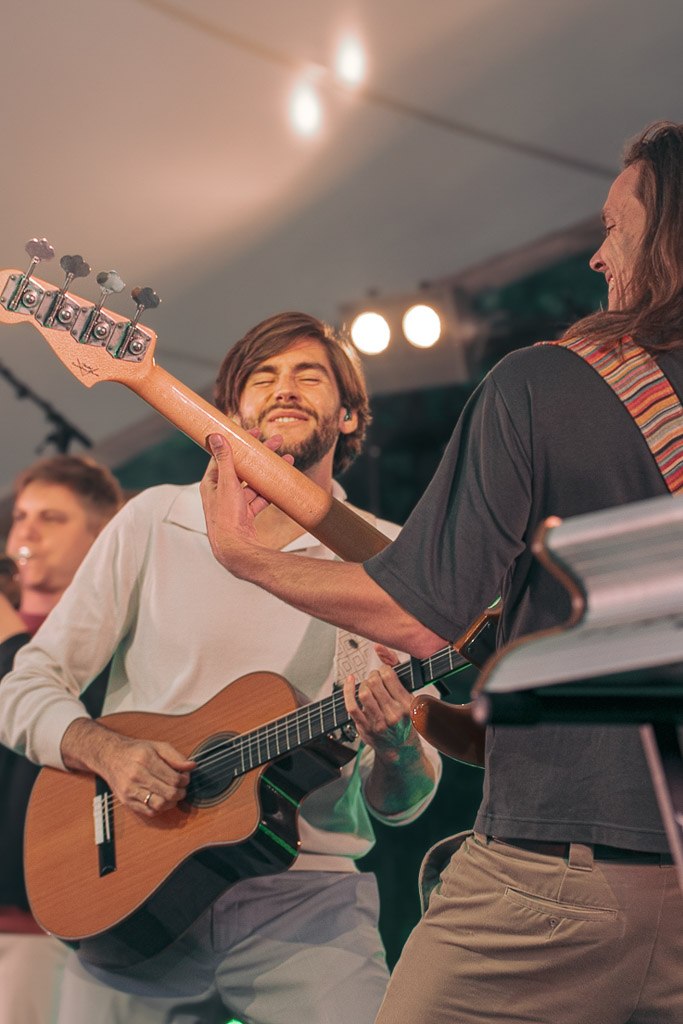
{"x": 450, "y": 728}
{"x": 122, "y": 888}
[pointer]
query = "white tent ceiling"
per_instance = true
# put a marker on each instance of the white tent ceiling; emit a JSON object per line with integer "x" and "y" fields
{"x": 152, "y": 136}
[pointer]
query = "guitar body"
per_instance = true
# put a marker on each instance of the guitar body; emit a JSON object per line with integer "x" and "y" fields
{"x": 168, "y": 871}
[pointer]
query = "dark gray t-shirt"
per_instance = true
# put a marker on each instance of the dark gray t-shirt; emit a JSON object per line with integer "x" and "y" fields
{"x": 542, "y": 435}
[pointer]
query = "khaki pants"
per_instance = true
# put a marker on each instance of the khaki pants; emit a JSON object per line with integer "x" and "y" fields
{"x": 514, "y": 936}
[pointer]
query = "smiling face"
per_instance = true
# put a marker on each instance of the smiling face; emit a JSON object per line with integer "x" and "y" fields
{"x": 625, "y": 220}
{"x": 294, "y": 393}
{"x": 51, "y": 533}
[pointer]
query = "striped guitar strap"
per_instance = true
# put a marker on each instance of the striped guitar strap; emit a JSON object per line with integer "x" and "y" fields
{"x": 638, "y": 382}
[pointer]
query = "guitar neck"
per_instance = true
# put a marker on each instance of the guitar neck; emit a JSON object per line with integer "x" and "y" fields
{"x": 331, "y": 522}
{"x": 312, "y": 721}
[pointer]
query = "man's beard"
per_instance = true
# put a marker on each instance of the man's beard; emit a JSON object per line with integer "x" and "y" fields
{"x": 312, "y": 449}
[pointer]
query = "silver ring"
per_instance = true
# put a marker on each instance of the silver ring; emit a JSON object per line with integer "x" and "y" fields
{"x": 147, "y": 799}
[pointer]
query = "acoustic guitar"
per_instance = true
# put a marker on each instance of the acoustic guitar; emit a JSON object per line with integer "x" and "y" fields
{"x": 122, "y": 888}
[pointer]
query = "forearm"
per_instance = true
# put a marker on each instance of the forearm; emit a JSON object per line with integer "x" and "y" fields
{"x": 400, "y": 778}
{"x": 338, "y": 592}
{"x": 85, "y": 745}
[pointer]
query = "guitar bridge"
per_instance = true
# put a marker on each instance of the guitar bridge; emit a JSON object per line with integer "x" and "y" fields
{"x": 103, "y": 822}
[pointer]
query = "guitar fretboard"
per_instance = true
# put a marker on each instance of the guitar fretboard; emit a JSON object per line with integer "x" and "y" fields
{"x": 240, "y": 754}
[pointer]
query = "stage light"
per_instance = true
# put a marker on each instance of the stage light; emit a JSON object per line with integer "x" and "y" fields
{"x": 305, "y": 110}
{"x": 370, "y": 333}
{"x": 350, "y": 61}
{"x": 422, "y": 326}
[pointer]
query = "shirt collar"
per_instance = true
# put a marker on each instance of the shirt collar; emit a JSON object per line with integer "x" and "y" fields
{"x": 186, "y": 511}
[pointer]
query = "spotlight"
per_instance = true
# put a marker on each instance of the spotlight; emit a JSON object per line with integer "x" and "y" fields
{"x": 305, "y": 111}
{"x": 370, "y": 333}
{"x": 422, "y": 326}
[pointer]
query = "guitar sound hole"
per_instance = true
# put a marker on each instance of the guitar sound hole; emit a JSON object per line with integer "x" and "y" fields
{"x": 215, "y": 776}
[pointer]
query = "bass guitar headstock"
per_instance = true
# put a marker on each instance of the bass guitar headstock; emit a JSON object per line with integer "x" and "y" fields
{"x": 96, "y": 344}
{"x": 93, "y": 342}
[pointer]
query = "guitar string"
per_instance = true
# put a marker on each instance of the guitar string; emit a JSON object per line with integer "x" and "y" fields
{"x": 279, "y": 729}
{"x": 235, "y": 747}
{"x": 231, "y": 754}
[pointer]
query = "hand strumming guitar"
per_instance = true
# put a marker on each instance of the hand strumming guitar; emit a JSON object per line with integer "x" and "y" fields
{"x": 148, "y": 776}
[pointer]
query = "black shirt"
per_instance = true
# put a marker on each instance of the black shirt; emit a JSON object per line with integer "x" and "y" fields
{"x": 542, "y": 435}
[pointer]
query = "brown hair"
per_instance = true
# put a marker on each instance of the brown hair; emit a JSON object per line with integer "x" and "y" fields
{"x": 95, "y": 486}
{"x": 278, "y": 333}
{"x": 654, "y": 317}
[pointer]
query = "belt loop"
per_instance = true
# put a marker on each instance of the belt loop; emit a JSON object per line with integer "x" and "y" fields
{"x": 580, "y": 856}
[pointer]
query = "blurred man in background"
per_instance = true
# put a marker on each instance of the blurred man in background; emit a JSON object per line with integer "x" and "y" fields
{"x": 60, "y": 505}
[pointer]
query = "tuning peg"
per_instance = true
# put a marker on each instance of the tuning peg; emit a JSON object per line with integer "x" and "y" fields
{"x": 73, "y": 266}
{"x": 144, "y": 298}
{"x": 38, "y": 249}
{"x": 109, "y": 282}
